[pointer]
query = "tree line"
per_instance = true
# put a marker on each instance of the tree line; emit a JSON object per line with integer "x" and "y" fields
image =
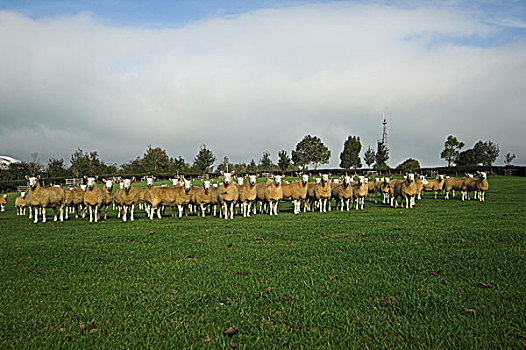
{"x": 310, "y": 151}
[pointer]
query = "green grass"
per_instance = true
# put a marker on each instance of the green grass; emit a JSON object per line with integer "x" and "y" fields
{"x": 381, "y": 278}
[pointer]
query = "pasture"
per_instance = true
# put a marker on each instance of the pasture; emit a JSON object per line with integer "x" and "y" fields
{"x": 446, "y": 274}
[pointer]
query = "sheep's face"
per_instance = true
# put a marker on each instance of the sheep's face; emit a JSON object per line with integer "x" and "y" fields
{"x": 318, "y": 180}
{"x": 365, "y": 180}
{"x": 32, "y": 181}
{"x": 305, "y": 179}
{"x": 149, "y": 182}
{"x": 240, "y": 181}
{"x": 5, "y": 196}
{"x": 23, "y": 194}
{"x": 227, "y": 178}
{"x": 84, "y": 187}
{"x": 441, "y": 177}
{"x": 483, "y": 175}
{"x": 175, "y": 182}
{"x": 361, "y": 180}
{"x": 121, "y": 185}
{"x": 425, "y": 182}
{"x": 206, "y": 185}
{"x": 215, "y": 185}
{"x": 325, "y": 178}
{"x": 277, "y": 179}
{"x": 387, "y": 180}
{"x": 470, "y": 176}
{"x": 91, "y": 182}
{"x": 376, "y": 179}
{"x": 109, "y": 185}
{"x": 336, "y": 181}
{"x": 252, "y": 180}
{"x": 127, "y": 184}
{"x": 410, "y": 177}
{"x": 347, "y": 180}
{"x": 187, "y": 185}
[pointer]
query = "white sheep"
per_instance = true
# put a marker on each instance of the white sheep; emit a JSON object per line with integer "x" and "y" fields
{"x": 296, "y": 192}
{"x": 41, "y": 198}
{"x": 273, "y": 194}
{"x": 227, "y": 195}
{"x": 21, "y": 204}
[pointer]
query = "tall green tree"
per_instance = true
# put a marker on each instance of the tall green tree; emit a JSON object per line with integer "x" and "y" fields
{"x": 204, "y": 159}
{"x": 252, "y": 167}
{"x": 284, "y": 161}
{"x": 80, "y": 163}
{"x": 487, "y": 152}
{"x": 451, "y": 151}
{"x": 310, "y": 150}
{"x": 350, "y": 156}
{"x": 56, "y": 168}
{"x": 156, "y": 160}
{"x": 265, "y": 163}
{"x": 369, "y": 157}
{"x": 469, "y": 157}
{"x": 381, "y": 157}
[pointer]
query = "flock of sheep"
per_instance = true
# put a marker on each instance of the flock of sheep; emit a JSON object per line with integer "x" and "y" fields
{"x": 230, "y": 193}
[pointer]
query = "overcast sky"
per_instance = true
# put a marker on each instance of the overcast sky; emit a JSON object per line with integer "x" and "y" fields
{"x": 245, "y": 77}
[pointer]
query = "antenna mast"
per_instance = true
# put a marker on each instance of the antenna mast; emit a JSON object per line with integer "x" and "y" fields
{"x": 384, "y": 134}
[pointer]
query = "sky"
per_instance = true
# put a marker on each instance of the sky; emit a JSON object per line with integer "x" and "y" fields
{"x": 245, "y": 77}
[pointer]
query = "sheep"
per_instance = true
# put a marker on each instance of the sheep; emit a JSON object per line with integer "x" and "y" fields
{"x": 360, "y": 189}
{"x": 479, "y": 186}
{"x": 371, "y": 189}
{"x": 202, "y": 196}
{"x": 296, "y": 192}
{"x": 343, "y": 193}
{"x": 247, "y": 195}
{"x": 454, "y": 184}
{"x": 128, "y": 197}
{"x": 435, "y": 185}
{"x": 385, "y": 189}
{"x": 227, "y": 195}
{"x": 323, "y": 190}
{"x": 420, "y": 182}
{"x": 167, "y": 196}
{"x": 21, "y": 204}
{"x": 3, "y": 202}
{"x": 274, "y": 193}
{"x": 76, "y": 201}
{"x": 117, "y": 199}
{"x": 93, "y": 198}
{"x": 107, "y": 197}
{"x": 41, "y": 198}
{"x": 406, "y": 189}
{"x": 260, "y": 196}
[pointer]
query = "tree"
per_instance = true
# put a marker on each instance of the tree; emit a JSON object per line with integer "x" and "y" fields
{"x": 451, "y": 151}
{"x": 79, "y": 163}
{"x": 381, "y": 157}
{"x": 469, "y": 157}
{"x": 284, "y": 161}
{"x": 409, "y": 165}
{"x": 155, "y": 160}
{"x": 265, "y": 163}
{"x": 34, "y": 166}
{"x": 369, "y": 157}
{"x": 487, "y": 152}
{"x": 226, "y": 166}
{"x": 350, "y": 156}
{"x": 509, "y": 158}
{"x": 178, "y": 164}
{"x": 204, "y": 159}
{"x": 252, "y": 167}
{"x": 310, "y": 150}
{"x": 56, "y": 168}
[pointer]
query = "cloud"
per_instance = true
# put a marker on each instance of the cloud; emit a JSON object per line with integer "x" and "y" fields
{"x": 259, "y": 82}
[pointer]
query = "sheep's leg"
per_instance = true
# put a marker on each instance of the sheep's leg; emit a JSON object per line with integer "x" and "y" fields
{"x": 159, "y": 212}
{"x": 125, "y": 210}
{"x": 36, "y": 215}
{"x": 231, "y": 210}
{"x": 131, "y": 212}
{"x": 67, "y": 211}
{"x": 105, "y": 212}
{"x": 61, "y": 208}
{"x": 96, "y": 213}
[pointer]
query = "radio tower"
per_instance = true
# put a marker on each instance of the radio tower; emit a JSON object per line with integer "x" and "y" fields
{"x": 384, "y": 133}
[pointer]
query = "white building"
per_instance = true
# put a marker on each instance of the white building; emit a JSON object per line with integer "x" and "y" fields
{"x": 6, "y": 160}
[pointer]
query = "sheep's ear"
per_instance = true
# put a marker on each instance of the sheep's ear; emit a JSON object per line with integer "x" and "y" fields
{"x": 221, "y": 172}
{"x": 232, "y": 172}
{"x": 27, "y": 177}
{"x": 132, "y": 179}
{"x": 96, "y": 177}
{"x": 120, "y": 179}
{"x": 104, "y": 180}
{"x": 85, "y": 177}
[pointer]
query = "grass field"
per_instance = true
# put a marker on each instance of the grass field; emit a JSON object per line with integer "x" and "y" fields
{"x": 447, "y": 274}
